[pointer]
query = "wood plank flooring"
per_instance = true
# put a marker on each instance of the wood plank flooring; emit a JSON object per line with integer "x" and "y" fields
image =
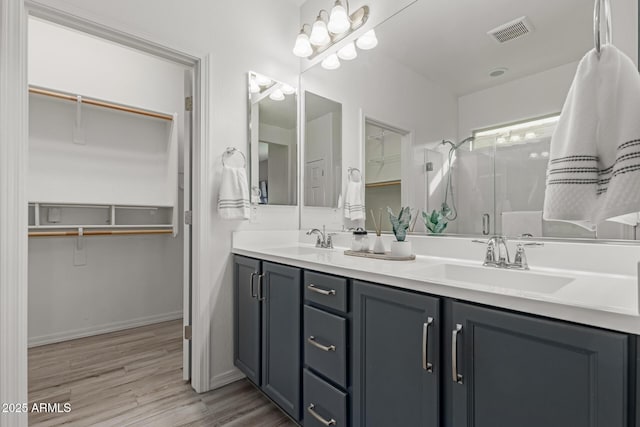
{"x": 134, "y": 378}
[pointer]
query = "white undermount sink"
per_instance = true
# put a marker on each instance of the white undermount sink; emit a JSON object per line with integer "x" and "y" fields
{"x": 297, "y": 250}
{"x": 495, "y": 277}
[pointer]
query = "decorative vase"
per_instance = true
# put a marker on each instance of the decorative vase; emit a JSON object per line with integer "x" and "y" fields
{"x": 401, "y": 249}
{"x": 378, "y": 246}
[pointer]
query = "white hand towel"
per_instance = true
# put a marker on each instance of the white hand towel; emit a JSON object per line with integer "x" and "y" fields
{"x": 594, "y": 168}
{"x": 233, "y": 199}
{"x": 353, "y": 203}
{"x": 517, "y": 223}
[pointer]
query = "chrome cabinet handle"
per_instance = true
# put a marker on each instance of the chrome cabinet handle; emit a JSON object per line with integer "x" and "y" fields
{"x": 455, "y": 376}
{"x": 312, "y": 340}
{"x": 252, "y": 287}
{"x": 485, "y": 224}
{"x": 261, "y": 287}
{"x": 426, "y": 365}
{"x": 318, "y": 417}
{"x": 320, "y": 291}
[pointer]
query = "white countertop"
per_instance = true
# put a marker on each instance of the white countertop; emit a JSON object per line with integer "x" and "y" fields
{"x": 602, "y": 299}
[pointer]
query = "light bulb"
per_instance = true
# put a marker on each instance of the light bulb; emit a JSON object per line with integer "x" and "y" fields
{"x": 338, "y": 20}
{"x": 288, "y": 90}
{"x": 533, "y": 155}
{"x": 331, "y": 62}
{"x": 367, "y": 41}
{"x": 319, "y": 33}
{"x": 263, "y": 80}
{"x": 545, "y": 154}
{"x": 277, "y": 95}
{"x": 515, "y": 138}
{"x": 253, "y": 86}
{"x": 302, "y": 48}
{"x": 501, "y": 140}
{"x": 530, "y": 135}
{"x": 348, "y": 52}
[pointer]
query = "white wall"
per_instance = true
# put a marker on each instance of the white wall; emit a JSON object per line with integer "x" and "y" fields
{"x": 239, "y": 36}
{"x": 126, "y": 281}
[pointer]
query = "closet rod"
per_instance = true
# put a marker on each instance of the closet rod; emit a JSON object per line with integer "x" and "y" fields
{"x": 71, "y": 233}
{"x": 383, "y": 184}
{"x": 97, "y": 103}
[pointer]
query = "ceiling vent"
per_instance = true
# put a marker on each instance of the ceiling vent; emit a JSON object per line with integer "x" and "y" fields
{"x": 511, "y": 30}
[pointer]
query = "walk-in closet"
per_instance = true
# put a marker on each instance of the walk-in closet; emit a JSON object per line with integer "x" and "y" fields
{"x": 108, "y": 178}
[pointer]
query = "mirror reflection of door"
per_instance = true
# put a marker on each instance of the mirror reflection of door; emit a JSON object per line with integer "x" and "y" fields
{"x": 323, "y": 151}
{"x": 383, "y": 172}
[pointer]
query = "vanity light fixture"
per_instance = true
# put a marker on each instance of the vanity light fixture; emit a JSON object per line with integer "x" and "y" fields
{"x": 253, "y": 86}
{"x": 263, "y": 80}
{"x": 288, "y": 90}
{"x": 367, "y": 41}
{"x": 277, "y": 95}
{"x": 348, "y": 52}
{"x": 329, "y": 28}
{"x": 530, "y": 135}
{"x": 331, "y": 62}
{"x": 339, "y": 19}
{"x": 303, "y": 47}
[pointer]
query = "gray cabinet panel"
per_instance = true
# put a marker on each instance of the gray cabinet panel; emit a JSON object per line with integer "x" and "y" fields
{"x": 326, "y": 290}
{"x": 246, "y": 317}
{"x": 390, "y": 385}
{"x": 329, "y": 354}
{"x": 281, "y": 319}
{"x": 323, "y": 402}
{"x": 525, "y": 371}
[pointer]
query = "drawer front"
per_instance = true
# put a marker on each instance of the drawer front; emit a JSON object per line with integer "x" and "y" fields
{"x": 325, "y": 344}
{"x": 326, "y": 290}
{"x": 324, "y": 404}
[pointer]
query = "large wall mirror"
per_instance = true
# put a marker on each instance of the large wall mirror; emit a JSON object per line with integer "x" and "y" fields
{"x": 273, "y": 140}
{"x": 453, "y": 111}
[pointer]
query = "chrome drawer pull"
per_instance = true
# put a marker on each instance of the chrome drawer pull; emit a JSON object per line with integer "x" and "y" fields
{"x": 312, "y": 340}
{"x": 426, "y": 365}
{"x": 455, "y": 376}
{"x": 317, "y": 416}
{"x": 252, "y": 287}
{"x": 261, "y": 296}
{"x": 320, "y": 291}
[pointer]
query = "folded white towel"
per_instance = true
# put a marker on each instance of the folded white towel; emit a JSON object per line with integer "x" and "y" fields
{"x": 594, "y": 168}
{"x": 517, "y": 223}
{"x": 233, "y": 199}
{"x": 353, "y": 203}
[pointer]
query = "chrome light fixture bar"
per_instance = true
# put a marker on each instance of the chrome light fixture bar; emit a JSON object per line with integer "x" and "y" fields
{"x": 329, "y": 28}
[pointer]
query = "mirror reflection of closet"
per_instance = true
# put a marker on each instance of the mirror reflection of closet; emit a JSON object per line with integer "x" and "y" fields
{"x": 383, "y": 172}
{"x": 273, "y": 142}
{"x": 322, "y": 151}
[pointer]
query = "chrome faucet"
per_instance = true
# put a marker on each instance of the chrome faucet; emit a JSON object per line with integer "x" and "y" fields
{"x": 501, "y": 259}
{"x": 324, "y": 239}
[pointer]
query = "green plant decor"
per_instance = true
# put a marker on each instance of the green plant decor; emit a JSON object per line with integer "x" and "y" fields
{"x": 400, "y": 223}
{"x": 435, "y": 223}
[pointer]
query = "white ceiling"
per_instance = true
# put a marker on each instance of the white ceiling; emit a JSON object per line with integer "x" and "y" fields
{"x": 447, "y": 42}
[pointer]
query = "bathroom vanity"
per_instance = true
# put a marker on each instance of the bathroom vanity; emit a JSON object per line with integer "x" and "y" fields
{"x": 331, "y": 345}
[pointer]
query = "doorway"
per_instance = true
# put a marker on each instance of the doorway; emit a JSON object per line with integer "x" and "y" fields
{"x": 109, "y": 181}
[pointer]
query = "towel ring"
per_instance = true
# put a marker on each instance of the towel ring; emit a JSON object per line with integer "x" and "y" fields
{"x": 601, "y": 11}
{"x": 230, "y": 151}
{"x": 351, "y": 170}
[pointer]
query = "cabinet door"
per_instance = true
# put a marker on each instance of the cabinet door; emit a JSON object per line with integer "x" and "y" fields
{"x": 246, "y": 349}
{"x": 281, "y": 313}
{"x": 395, "y": 357}
{"x": 518, "y": 370}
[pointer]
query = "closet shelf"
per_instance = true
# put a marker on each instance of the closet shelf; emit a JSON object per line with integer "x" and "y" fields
{"x": 72, "y": 233}
{"x": 99, "y": 103}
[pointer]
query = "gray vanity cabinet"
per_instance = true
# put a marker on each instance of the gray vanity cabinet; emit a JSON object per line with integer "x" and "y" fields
{"x": 267, "y": 329}
{"x": 247, "y": 319}
{"x": 396, "y": 363}
{"x": 507, "y": 369}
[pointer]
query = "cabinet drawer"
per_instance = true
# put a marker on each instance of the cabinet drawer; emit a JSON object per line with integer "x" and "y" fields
{"x": 326, "y": 290}
{"x": 325, "y": 344}
{"x": 323, "y": 403}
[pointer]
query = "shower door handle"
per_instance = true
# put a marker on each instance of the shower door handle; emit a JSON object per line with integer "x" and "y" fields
{"x": 485, "y": 224}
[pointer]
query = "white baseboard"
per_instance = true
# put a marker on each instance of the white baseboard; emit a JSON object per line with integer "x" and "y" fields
{"x": 225, "y": 378}
{"x": 102, "y": 329}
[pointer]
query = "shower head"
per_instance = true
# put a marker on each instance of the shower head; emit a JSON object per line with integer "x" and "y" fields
{"x": 459, "y": 144}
